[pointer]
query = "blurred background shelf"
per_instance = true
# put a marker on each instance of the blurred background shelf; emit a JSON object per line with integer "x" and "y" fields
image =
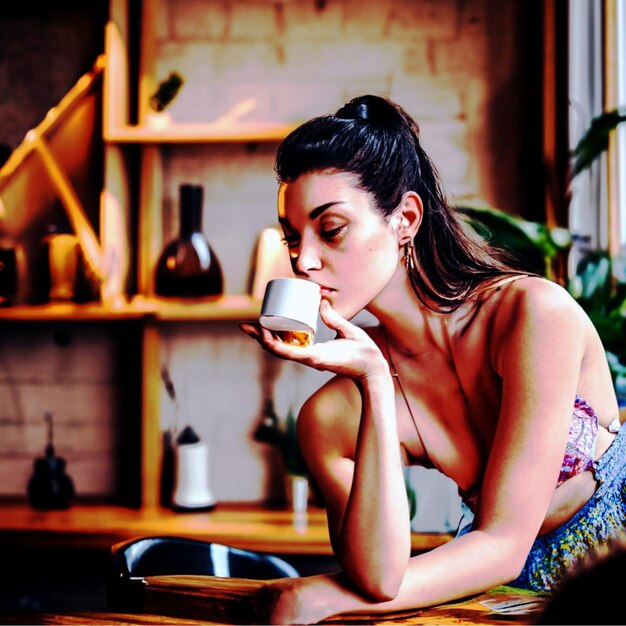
{"x": 184, "y": 132}
{"x": 242, "y": 525}
{"x": 231, "y": 307}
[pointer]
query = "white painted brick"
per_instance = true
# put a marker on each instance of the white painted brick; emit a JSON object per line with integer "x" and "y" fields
{"x": 252, "y": 21}
{"x": 199, "y": 19}
{"x": 365, "y": 20}
{"x": 197, "y": 64}
{"x": 195, "y": 61}
{"x": 70, "y": 403}
{"x": 242, "y": 61}
{"x": 417, "y": 59}
{"x": 304, "y": 21}
{"x": 445, "y": 142}
{"x": 11, "y": 403}
{"x": 342, "y": 59}
{"x": 462, "y": 57}
{"x": 300, "y": 101}
{"x": 202, "y": 365}
{"x": 95, "y": 475}
{"x": 31, "y": 436}
{"x": 30, "y": 354}
{"x": 14, "y": 476}
{"x": 352, "y": 88}
{"x": 433, "y": 19}
{"x": 426, "y": 98}
{"x": 162, "y": 21}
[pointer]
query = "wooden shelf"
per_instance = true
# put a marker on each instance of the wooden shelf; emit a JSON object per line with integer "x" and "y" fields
{"x": 182, "y": 133}
{"x": 229, "y": 307}
{"x": 245, "y": 526}
{"x": 70, "y": 312}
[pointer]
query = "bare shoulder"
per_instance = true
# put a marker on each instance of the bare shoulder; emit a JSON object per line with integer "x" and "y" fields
{"x": 329, "y": 419}
{"x": 533, "y": 296}
{"x": 535, "y": 309}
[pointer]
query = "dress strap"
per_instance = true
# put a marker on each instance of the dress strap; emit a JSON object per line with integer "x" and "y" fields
{"x": 396, "y": 377}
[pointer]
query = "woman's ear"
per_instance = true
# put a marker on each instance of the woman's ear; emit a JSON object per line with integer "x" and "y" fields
{"x": 407, "y": 217}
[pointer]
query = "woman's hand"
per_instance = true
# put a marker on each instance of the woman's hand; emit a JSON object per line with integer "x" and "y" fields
{"x": 305, "y": 600}
{"x": 352, "y": 353}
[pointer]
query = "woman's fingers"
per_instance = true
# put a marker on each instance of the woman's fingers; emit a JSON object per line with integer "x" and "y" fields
{"x": 333, "y": 320}
{"x": 251, "y": 329}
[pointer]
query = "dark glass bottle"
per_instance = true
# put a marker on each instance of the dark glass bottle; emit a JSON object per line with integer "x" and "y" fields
{"x": 50, "y": 487}
{"x": 188, "y": 266}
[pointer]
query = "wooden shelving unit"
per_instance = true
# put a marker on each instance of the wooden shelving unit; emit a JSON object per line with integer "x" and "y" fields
{"x": 130, "y": 196}
{"x": 118, "y": 134}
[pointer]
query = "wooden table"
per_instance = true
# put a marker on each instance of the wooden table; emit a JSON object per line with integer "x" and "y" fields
{"x": 211, "y": 600}
{"x": 245, "y": 526}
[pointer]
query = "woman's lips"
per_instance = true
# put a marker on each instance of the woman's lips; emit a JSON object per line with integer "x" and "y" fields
{"x": 326, "y": 291}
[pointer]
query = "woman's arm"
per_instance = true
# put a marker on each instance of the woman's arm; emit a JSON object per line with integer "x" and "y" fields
{"x": 363, "y": 483}
{"x": 537, "y": 345}
{"x": 349, "y": 439}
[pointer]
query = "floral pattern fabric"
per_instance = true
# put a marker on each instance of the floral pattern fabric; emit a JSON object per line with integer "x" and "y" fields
{"x": 581, "y": 443}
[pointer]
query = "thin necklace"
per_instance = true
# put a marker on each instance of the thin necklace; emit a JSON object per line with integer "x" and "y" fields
{"x": 394, "y": 374}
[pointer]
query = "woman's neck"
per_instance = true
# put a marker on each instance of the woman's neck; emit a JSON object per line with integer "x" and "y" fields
{"x": 411, "y": 327}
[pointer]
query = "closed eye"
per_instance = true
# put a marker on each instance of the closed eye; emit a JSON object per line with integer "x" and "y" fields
{"x": 333, "y": 233}
{"x": 291, "y": 242}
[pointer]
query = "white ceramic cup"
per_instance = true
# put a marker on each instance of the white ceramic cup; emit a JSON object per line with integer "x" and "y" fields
{"x": 291, "y": 308}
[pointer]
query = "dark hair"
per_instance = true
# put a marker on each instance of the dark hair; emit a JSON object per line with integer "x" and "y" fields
{"x": 377, "y": 141}
{"x": 590, "y": 577}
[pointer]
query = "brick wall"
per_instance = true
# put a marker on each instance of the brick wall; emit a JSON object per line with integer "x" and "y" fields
{"x": 458, "y": 66}
{"x": 71, "y": 373}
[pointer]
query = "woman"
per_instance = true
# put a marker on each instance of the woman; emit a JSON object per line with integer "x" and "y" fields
{"x": 482, "y": 371}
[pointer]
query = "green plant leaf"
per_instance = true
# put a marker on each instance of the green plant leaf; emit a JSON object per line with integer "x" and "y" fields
{"x": 596, "y": 140}
{"x": 411, "y": 496}
{"x": 292, "y": 454}
{"x": 594, "y": 273}
{"x": 533, "y": 243}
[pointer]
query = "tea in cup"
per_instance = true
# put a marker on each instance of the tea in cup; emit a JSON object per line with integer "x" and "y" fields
{"x": 290, "y": 310}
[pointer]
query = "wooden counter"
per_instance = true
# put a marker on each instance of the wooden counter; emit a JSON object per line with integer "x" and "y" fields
{"x": 233, "y": 601}
{"x": 245, "y": 526}
{"x": 210, "y": 600}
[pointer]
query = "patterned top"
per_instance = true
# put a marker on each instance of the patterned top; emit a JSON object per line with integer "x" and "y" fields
{"x": 581, "y": 443}
{"x": 579, "y": 451}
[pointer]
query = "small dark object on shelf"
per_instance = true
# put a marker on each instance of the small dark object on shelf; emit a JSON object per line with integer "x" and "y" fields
{"x": 166, "y": 92}
{"x": 50, "y": 487}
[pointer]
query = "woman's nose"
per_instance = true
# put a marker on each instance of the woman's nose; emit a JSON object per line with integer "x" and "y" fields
{"x": 307, "y": 259}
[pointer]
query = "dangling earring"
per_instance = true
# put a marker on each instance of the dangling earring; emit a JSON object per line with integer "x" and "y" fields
{"x": 408, "y": 258}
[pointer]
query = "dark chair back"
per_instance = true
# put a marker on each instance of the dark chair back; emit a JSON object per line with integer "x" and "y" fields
{"x": 134, "y": 559}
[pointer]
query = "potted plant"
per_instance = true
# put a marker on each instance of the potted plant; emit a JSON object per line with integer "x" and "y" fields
{"x": 535, "y": 245}
{"x": 597, "y": 284}
{"x": 285, "y": 439}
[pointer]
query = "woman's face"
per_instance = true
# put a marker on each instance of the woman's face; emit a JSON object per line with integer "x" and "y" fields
{"x": 337, "y": 239}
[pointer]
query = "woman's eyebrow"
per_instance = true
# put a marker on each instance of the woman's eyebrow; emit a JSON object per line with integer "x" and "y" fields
{"x": 317, "y": 211}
